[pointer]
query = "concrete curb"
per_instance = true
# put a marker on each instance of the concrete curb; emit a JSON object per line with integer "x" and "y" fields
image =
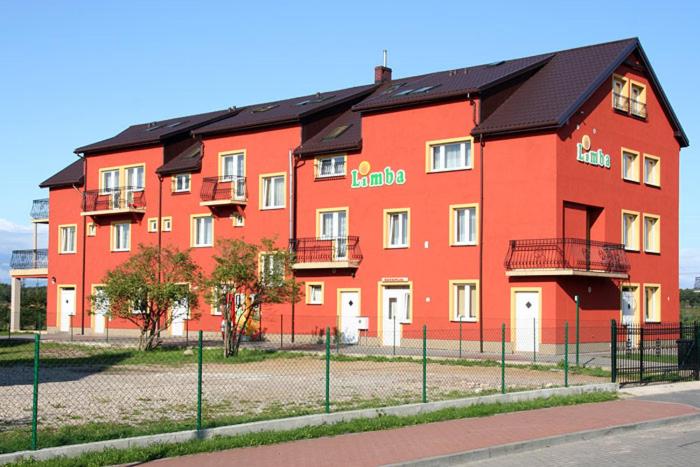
{"x": 524, "y": 446}
{"x": 286, "y": 424}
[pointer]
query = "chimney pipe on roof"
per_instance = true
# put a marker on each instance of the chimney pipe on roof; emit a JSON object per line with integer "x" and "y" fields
{"x": 382, "y": 73}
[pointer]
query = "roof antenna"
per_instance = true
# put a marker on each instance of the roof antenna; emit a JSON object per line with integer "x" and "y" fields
{"x": 385, "y": 58}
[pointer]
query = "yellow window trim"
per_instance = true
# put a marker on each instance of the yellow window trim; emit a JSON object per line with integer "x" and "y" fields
{"x": 91, "y": 229}
{"x": 513, "y": 291}
{"x": 453, "y": 208}
{"x": 320, "y": 211}
{"x": 657, "y": 181}
{"x": 635, "y": 169}
{"x": 635, "y": 287}
{"x": 380, "y": 300}
{"x": 173, "y": 184}
{"x": 385, "y": 222}
{"x": 112, "y": 229}
{"x": 240, "y": 216}
{"x": 307, "y": 294}
{"x": 656, "y": 248}
{"x": 60, "y": 239}
{"x": 643, "y": 94}
{"x": 165, "y": 219}
{"x": 192, "y": 230}
{"x": 625, "y": 87}
{"x": 152, "y": 224}
{"x": 260, "y": 190}
{"x": 636, "y": 243}
{"x": 122, "y": 173}
{"x": 477, "y": 287}
{"x": 428, "y": 153}
{"x": 317, "y": 171}
{"x": 232, "y": 153}
{"x": 657, "y": 299}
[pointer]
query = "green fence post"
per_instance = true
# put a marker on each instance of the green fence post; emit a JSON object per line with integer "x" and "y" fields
{"x": 35, "y": 399}
{"x": 534, "y": 340}
{"x": 328, "y": 369}
{"x": 199, "y": 383}
{"x": 566, "y": 354}
{"x": 503, "y": 358}
{"x": 425, "y": 363}
{"x": 613, "y": 350}
{"x": 578, "y": 300}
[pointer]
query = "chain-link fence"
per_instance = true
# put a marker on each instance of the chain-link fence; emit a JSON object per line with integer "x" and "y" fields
{"x": 57, "y": 391}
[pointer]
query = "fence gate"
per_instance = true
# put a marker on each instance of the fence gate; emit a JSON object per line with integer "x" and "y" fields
{"x": 654, "y": 352}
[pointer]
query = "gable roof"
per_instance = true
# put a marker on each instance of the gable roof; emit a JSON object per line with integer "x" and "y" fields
{"x": 189, "y": 160}
{"x": 548, "y": 98}
{"x": 344, "y": 133}
{"x": 69, "y": 176}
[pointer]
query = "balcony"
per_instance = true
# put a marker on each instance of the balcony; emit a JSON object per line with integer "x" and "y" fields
{"x": 566, "y": 257}
{"x": 29, "y": 262}
{"x": 326, "y": 253}
{"x": 112, "y": 201}
{"x": 40, "y": 211}
{"x": 221, "y": 191}
{"x": 629, "y": 106}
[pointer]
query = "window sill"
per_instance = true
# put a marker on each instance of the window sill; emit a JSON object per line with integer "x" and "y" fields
{"x": 330, "y": 177}
{"x": 179, "y": 193}
{"x": 653, "y": 185}
{"x": 439, "y": 171}
{"x": 464, "y": 244}
{"x": 402, "y": 247}
{"x": 314, "y": 303}
{"x": 67, "y": 252}
{"x": 202, "y": 246}
{"x": 632, "y": 250}
{"x": 653, "y": 252}
{"x": 120, "y": 251}
{"x": 276, "y": 208}
{"x": 464, "y": 320}
{"x": 631, "y": 180}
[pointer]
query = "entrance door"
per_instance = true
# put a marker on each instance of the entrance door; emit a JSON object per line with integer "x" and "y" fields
{"x": 334, "y": 227}
{"x": 349, "y": 312}
{"x": 67, "y": 307}
{"x": 99, "y": 313}
{"x": 180, "y": 312}
{"x": 395, "y": 310}
{"x": 629, "y": 307}
{"x": 527, "y": 315}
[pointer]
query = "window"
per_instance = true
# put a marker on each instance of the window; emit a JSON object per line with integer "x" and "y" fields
{"x": 449, "y": 155}
{"x": 619, "y": 93}
{"x": 463, "y": 223}
{"x": 330, "y": 166}
{"x": 332, "y": 224}
{"x": 652, "y": 303}
{"x": 638, "y": 99}
{"x": 153, "y": 224}
{"x": 651, "y": 233}
{"x": 238, "y": 220}
{"x": 91, "y": 229}
{"x": 121, "y": 236}
{"x": 271, "y": 269}
{"x": 396, "y": 228}
{"x": 464, "y": 301}
{"x": 630, "y": 165}
{"x": 652, "y": 169}
{"x": 166, "y": 224}
{"x": 134, "y": 178}
{"x": 66, "y": 239}
{"x": 314, "y": 293}
{"x": 272, "y": 188}
{"x": 181, "y": 183}
{"x": 630, "y": 230}
{"x": 232, "y": 169}
{"x": 202, "y": 233}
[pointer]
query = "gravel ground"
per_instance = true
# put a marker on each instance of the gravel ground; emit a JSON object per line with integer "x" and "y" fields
{"x": 139, "y": 393}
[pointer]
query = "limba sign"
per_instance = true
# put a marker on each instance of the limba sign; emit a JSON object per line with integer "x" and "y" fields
{"x": 363, "y": 178}
{"x": 585, "y": 155}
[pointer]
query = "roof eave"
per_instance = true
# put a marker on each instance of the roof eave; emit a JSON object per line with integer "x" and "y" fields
{"x": 354, "y": 146}
{"x": 544, "y": 126}
{"x": 243, "y": 128}
{"x": 415, "y": 103}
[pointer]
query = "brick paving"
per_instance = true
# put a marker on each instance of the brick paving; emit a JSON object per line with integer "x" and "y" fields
{"x": 437, "y": 439}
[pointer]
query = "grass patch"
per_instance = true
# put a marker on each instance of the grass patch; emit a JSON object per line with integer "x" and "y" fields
{"x": 159, "y": 451}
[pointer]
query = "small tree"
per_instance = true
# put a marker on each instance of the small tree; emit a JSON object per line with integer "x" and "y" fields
{"x": 245, "y": 277}
{"x": 145, "y": 288}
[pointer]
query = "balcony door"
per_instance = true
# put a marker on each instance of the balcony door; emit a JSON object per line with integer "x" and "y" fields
{"x": 233, "y": 170}
{"x": 334, "y": 227}
{"x": 110, "y": 187}
{"x": 134, "y": 182}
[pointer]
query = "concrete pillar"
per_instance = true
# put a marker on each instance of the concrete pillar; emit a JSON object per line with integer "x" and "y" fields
{"x": 15, "y": 302}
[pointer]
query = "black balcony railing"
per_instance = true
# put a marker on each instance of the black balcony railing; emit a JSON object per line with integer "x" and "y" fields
{"x": 29, "y": 259}
{"x": 111, "y": 199}
{"x": 40, "y": 209}
{"x": 226, "y": 188}
{"x": 621, "y": 102}
{"x": 567, "y": 253}
{"x": 326, "y": 250}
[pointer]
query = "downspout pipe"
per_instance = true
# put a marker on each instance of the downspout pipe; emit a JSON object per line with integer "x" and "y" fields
{"x": 292, "y": 225}
{"x": 84, "y": 248}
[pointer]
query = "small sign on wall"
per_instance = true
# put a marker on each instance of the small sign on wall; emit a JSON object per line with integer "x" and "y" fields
{"x": 585, "y": 155}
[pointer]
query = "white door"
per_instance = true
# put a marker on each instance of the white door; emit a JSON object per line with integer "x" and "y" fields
{"x": 110, "y": 186}
{"x": 349, "y": 312}
{"x": 180, "y": 312}
{"x": 99, "y": 314}
{"x": 527, "y": 312}
{"x": 334, "y": 227}
{"x": 629, "y": 307}
{"x": 67, "y": 307}
{"x": 233, "y": 171}
{"x": 395, "y": 310}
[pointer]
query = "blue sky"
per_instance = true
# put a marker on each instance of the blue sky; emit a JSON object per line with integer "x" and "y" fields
{"x": 75, "y": 72}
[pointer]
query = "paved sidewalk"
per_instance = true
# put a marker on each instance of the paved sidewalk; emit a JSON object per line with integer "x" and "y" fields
{"x": 439, "y": 439}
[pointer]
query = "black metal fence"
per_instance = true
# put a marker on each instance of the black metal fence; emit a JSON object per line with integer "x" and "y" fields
{"x": 225, "y": 188}
{"x": 320, "y": 250}
{"x": 29, "y": 259}
{"x": 655, "y": 352}
{"x": 40, "y": 209}
{"x": 125, "y": 197}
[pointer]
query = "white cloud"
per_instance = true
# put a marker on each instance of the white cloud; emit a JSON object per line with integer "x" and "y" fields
{"x": 11, "y": 227}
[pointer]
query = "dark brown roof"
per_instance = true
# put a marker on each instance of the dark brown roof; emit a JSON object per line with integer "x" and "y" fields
{"x": 284, "y": 111}
{"x": 348, "y": 129}
{"x": 71, "y": 175}
{"x": 189, "y": 160}
{"x": 154, "y": 133}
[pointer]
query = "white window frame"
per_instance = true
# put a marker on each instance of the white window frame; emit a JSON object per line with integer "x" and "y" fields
{"x": 648, "y": 180}
{"x": 152, "y": 224}
{"x": 654, "y": 235}
{"x": 310, "y": 287}
{"x": 67, "y": 232}
{"x": 195, "y": 231}
{"x": 472, "y": 224}
{"x": 655, "y": 315}
{"x": 336, "y": 162}
{"x": 166, "y": 224}
{"x": 404, "y": 228}
{"x": 238, "y": 220}
{"x": 268, "y": 183}
{"x": 466, "y": 154}
{"x": 633, "y": 243}
{"x": 634, "y": 177}
{"x": 472, "y": 308}
{"x": 182, "y": 183}
{"x": 117, "y": 238}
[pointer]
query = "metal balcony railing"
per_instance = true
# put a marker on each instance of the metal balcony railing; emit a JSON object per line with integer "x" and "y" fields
{"x": 629, "y": 106}
{"x": 226, "y": 188}
{"x": 40, "y": 209}
{"x": 567, "y": 253}
{"x": 29, "y": 259}
{"x": 326, "y": 249}
{"x": 638, "y": 108}
{"x": 621, "y": 102}
{"x": 114, "y": 199}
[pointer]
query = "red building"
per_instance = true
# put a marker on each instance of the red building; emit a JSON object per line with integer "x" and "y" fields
{"x": 459, "y": 199}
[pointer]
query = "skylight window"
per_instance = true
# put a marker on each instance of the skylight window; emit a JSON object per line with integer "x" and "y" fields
{"x": 174, "y": 124}
{"x": 425, "y": 89}
{"x": 337, "y": 131}
{"x": 493, "y": 64}
{"x": 392, "y": 88}
{"x": 315, "y": 100}
{"x": 404, "y": 92}
{"x": 154, "y": 126}
{"x": 265, "y": 108}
